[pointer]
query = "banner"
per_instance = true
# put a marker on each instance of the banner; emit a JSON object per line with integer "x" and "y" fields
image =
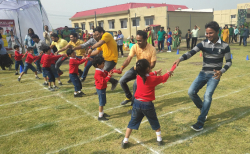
{"x": 7, "y": 26}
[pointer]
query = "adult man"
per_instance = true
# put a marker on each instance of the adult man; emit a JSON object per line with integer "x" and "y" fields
{"x": 231, "y": 34}
{"x": 241, "y": 34}
{"x": 39, "y": 45}
{"x": 90, "y": 42}
{"x": 46, "y": 35}
{"x": 107, "y": 44}
{"x": 213, "y": 52}
{"x": 120, "y": 42}
{"x": 74, "y": 42}
{"x": 194, "y": 33}
{"x": 179, "y": 35}
{"x": 142, "y": 50}
{"x": 245, "y": 35}
{"x": 66, "y": 34}
{"x": 59, "y": 43}
{"x": 236, "y": 32}
{"x": 160, "y": 37}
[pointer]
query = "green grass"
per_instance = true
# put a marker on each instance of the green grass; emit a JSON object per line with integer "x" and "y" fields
{"x": 35, "y": 120}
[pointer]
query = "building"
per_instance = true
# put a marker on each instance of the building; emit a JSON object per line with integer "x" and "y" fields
{"x": 131, "y": 17}
{"x": 234, "y": 16}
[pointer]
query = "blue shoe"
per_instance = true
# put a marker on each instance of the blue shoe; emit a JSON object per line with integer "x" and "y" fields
{"x": 197, "y": 127}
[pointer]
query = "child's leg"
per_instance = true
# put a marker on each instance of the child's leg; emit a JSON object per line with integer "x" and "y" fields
{"x": 25, "y": 69}
{"x": 16, "y": 66}
{"x": 128, "y": 132}
{"x": 101, "y": 111}
{"x": 53, "y": 69}
{"x": 158, "y": 134}
{"x": 33, "y": 69}
{"x": 102, "y": 101}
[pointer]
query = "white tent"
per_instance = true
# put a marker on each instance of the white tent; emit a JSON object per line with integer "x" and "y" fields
{"x": 26, "y": 14}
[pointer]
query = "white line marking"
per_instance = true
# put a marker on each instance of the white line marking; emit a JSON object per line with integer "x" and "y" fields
{"x": 81, "y": 143}
{"x": 19, "y": 93}
{"x": 116, "y": 129}
{"x": 204, "y": 131}
{"x": 19, "y": 85}
{"x": 39, "y": 126}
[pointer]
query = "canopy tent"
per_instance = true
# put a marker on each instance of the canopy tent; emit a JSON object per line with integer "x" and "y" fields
{"x": 26, "y": 14}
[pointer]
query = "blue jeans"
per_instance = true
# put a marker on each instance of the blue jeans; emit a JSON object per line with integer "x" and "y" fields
{"x": 245, "y": 40}
{"x": 86, "y": 69}
{"x": 27, "y": 66}
{"x": 17, "y": 63}
{"x": 163, "y": 43}
{"x": 128, "y": 76}
{"x": 47, "y": 71}
{"x": 198, "y": 83}
{"x": 102, "y": 96}
{"x": 76, "y": 82}
{"x": 141, "y": 109}
{"x": 38, "y": 65}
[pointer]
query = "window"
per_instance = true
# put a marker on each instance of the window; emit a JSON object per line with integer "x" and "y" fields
{"x": 83, "y": 26}
{"x": 248, "y": 15}
{"x": 233, "y": 16}
{"x": 90, "y": 25}
{"x": 149, "y": 21}
{"x": 111, "y": 24}
{"x": 76, "y": 25}
{"x": 136, "y": 22}
{"x": 100, "y": 24}
{"x": 124, "y": 23}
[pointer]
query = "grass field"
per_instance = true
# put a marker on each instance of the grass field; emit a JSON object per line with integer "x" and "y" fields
{"x": 35, "y": 120}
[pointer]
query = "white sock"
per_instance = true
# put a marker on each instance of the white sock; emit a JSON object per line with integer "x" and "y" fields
{"x": 75, "y": 93}
{"x": 158, "y": 134}
{"x": 35, "y": 75}
{"x": 101, "y": 114}
{"x": 49, "y": 86}
{"x": 45, "y": 81}
{"x": 59, "y": 81}
{"x": 19, "y": 77}
{"x": 125, "y": 140}
{"x": 79, "y": 92}
{"x": 16, "y": 72}
{"x": 54, "y": 86}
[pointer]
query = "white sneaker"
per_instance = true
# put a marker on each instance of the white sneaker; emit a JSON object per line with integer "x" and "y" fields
{"x": 168, "y": 51}
{"x": 122, "y": 56}
{"x": 161, "y": 51}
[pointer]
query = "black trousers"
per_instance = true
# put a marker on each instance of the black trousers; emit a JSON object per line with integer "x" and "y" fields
{"x": 231, "y": 38}
{"x": 194, "y": 41}
{"x": 120, "y": 48}
{"x": 235, "y": 38}
{"x": 241, "y": 40}
{"x": 188, "y": 42}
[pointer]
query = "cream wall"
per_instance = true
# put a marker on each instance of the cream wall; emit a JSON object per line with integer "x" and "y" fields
{"x": 223, "y": 17}
{"x": 243, "y": 6}
{"x": 182, "y": 19}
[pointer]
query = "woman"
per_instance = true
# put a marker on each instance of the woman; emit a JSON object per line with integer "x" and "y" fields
{"x": 169, "y": 40}
{"x": 13, "y": 41}
{"x": 175, "y": 38}
{"x": 28, "y": 42}
{"x": 131, "y": 42}
{"x": 5, "y": 60}
{"x": 220, "y": 32}
{"x": 226, "y": 34}
{"x": 85, "y": 36}
{"x": 149, "y": 40}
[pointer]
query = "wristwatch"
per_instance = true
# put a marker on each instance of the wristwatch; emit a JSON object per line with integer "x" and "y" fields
{"x": 91, "y": 48}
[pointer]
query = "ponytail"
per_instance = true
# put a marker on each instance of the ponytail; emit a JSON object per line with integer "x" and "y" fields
{"x": 141, "y": 69}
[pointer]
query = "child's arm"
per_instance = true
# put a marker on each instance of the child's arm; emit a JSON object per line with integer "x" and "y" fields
{"x": 55, "y": 57}
{"x": 79, "y": 61}
{"x": 108, "y": 76}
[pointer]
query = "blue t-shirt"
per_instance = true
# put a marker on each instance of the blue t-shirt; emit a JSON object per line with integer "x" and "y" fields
{"x": 3, "y": 51}
{"x": 161, "y": 35}
{"x": 120, "y": 42}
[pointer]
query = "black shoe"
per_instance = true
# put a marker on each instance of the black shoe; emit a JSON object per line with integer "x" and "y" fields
{"x": 124, "y": 145}
{"x": 114, "y": 85}
{"x": 82, "y": 80}
{"x": 77, "y": 95}
{"x": 55, "y": 87}
{"x": 69, "y": 81}
{"x": 197, "y": 127}
{"x": 37, "y": 77}
{"x": 106, "y": 115}
{"x": 45, "y": 83}
{"x": 16, "y": 73}
{"x": 127, "y": 100}
{"x": 19, "y": 79}
{"x": 51, "y": 89}
{"x": 102, "y": 119}
{"x": 60, "y": 83}
{"x": 82, "y": 93}
{"x": 160, "y": 143}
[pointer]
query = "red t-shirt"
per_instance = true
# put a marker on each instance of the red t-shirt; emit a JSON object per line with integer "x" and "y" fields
{"x": 101, "y": 78}
{"x": 18, "y": 56}
{"x": 30, "y": 58}
{"x": 46, "y": 59}
{"x": 146, "y": 92}
{"x": 74, "y": 63}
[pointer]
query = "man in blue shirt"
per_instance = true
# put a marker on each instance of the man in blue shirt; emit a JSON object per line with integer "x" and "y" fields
{"x": 120, "y": 42}
{"x": 236, "y": 32}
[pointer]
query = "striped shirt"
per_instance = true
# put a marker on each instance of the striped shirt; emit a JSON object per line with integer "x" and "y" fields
{"x": 90, "y": 42}
{"x": 213, "y": 55}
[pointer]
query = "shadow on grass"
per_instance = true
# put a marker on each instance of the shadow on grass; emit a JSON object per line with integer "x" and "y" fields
{"x": 172, "y": 102}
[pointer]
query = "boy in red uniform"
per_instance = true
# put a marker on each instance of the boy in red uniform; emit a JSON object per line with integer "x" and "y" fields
{"x": 73, "y": 71}
{"x": 28, "y": 63}
{"x": 144, "y": 95}
{"x": 18, "y": 58}
{"x": 101, "y": 79}
{"x": 47, "y": 59}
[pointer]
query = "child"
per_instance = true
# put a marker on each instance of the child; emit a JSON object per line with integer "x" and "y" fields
{"x": 188, "y": 37}
{"x": 46, "y": 61}
{"x": 169, "y": 40}
{"x": 28, "y": 63}
{"x": 101, "y": 79}
{"x": 18, "y": 58}
{"x": 73, "y": 71}
{"x": 144, "y": 95}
